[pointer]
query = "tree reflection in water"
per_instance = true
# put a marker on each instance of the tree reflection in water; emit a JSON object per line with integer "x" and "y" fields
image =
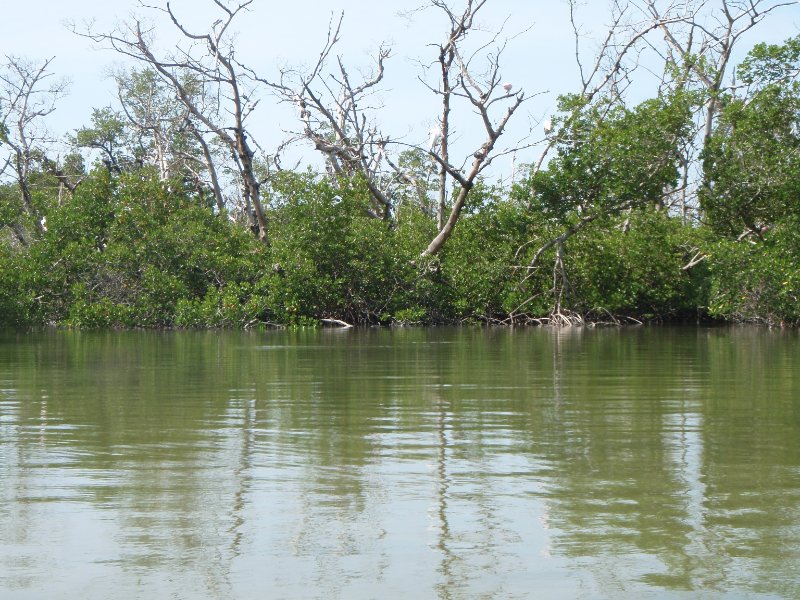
{"x": 448, "y": 463}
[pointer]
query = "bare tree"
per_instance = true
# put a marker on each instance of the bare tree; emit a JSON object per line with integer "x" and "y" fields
{"x": 701, "y": 36}
{"x": 220, "y": 106}
{"x": 27, "y": 95}
{"x": 337, "y": 118}
{"x": 156, "y": 118}
{"x": 481, "y": 87}
{"x": 335, "y": 115}
{"x": 607, "y": 72}
{"x": 166, "y": 130}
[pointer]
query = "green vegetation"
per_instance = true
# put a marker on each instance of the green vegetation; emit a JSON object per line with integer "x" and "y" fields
{"x": 597, "y": 233}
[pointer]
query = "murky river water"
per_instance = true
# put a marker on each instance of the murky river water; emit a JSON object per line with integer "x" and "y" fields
{"x": 636, "y": 463}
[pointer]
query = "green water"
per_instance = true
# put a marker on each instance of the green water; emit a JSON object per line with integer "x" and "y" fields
{"x": 635, "y": 463}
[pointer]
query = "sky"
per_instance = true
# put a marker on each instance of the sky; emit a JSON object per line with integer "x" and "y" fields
{"x": 273, "y": 34}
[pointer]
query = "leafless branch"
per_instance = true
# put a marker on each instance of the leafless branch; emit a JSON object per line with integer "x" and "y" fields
{"x": 28, "y": 94}
{"x": 213, "y": 68}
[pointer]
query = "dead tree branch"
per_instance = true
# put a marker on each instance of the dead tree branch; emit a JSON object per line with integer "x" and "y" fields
{"x": 334, "y": 116}
{"x": 459, "y": 80}
{"x": 211, "y": 85}
{"x": 27, "y": 96}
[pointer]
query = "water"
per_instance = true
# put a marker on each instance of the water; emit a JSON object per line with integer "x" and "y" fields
{"x": 636, "y": 463}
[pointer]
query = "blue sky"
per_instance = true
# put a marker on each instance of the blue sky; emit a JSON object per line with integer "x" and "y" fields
{"x": 280, "y": 33}
{"x": 541, "y": 60}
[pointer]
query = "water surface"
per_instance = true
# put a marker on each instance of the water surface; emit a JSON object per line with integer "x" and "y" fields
{"x": 445, "y": 463}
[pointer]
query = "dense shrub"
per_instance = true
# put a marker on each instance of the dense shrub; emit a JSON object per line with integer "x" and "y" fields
{"x": 331, "y": 259}
{"x": 13, "y": 309}
{"x": 479, "y": 262}
{"x": 131, "y": 251}
{"x": 635, "y": 267}
{"x": 126, "y": 251}
{"x": 758, "y": 280}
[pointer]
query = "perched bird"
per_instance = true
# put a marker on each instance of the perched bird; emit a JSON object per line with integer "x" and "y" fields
{"x": 548, "y": 126}
{"x": 507, "y": 87}
{"x": 301, "y": 107}
{"x": 435, "y": 137}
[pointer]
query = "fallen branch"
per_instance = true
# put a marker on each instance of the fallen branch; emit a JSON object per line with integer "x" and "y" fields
{"x": 343, "y": 324}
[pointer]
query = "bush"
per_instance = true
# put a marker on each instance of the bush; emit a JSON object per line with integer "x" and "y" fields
{"x": 127, "y": 251}
{"x": 478, "y": 261}
{"x": 13, "y": 305}
{"x": 235, "y": 305}
{"x": 635, "y": 269}
{"x": 330, "y": 258}
{"x": 758, "y": 280}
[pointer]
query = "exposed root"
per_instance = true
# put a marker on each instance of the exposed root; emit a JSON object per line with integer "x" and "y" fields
{"x": 562, "y": 318}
